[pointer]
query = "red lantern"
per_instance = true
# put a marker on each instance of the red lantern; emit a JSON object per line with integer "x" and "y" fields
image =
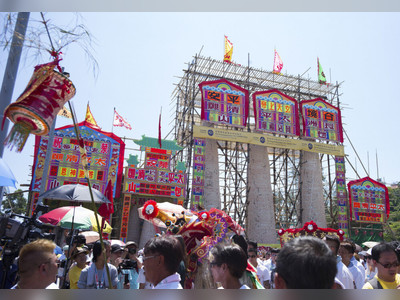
{"x": 36, "y": 108}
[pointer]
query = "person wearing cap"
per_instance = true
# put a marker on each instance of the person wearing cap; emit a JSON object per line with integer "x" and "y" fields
{"x": 116, "y": 255}
{"x": 74, "y": 273}
{"x": 129, "y": 270}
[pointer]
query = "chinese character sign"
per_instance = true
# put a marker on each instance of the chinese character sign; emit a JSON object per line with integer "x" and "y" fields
{"x": 198, "y": 173}
{"x": 369, "y": 201}
{"x": 105, "y": 152}
{"x": 155, "y": 179}
{"x": 321, "y": 120}
{"x": 126, "y": 207}
{"x": 224, "y": 103}
{"x": 341, "y": 193}
{"x": 276, "y": 112}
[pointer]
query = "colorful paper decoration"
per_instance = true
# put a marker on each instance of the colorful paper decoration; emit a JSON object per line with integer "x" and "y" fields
{"x": 341, "y": 191}
{"x": 105, "y": 155}
{"x": 198, "y": 174}
{"x": 156, "y": 178}
{"x": 36, "y": 108}
{"x": 126, "y": 207}
{"x": 321, "y": 120}
{"x": 309, "y": 228}
{"x": 224, "y": 103}
{"x": 276, "y": 112}
{"x": 369, "y": 201}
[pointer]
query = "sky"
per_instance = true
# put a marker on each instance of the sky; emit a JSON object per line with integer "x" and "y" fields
{"x": 141, "y": 55}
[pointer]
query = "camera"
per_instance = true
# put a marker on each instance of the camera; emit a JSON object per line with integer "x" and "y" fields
{"x": 18, "y": 230}
{"x": 78, "y": 239}
{"x": 131, "y": 250}
{"x": 128, "y": 264}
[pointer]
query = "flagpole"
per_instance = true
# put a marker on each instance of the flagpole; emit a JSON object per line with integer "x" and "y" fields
{"x": 112, "y": 124}
{"x": 159, "y": 130}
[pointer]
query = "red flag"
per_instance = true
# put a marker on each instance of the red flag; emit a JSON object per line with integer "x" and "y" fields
{"x": 159, "y": 130}
{"x": 106, "y": 209}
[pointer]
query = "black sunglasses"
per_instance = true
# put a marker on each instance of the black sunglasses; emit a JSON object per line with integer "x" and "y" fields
{"x": 388, "y": 266}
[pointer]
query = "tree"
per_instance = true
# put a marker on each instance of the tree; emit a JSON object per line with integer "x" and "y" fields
{"x": 15, "y": 203}
{"x": 43, "y": 37}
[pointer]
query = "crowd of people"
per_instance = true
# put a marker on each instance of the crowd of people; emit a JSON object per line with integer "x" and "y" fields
{"x": 302, "y": 263}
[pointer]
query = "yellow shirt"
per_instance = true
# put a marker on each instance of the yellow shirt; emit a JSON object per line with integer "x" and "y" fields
{"x": 385, "y": 284}
{"x": 74, "y": 274}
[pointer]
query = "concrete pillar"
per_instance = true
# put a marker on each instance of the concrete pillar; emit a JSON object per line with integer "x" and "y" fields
{"x": 312, "y": 195}
{"x": 134, "y": 225}
{"x": 260, "y": 210}
{"x": 148, "y": 232}
{"x": 212, "y": 196}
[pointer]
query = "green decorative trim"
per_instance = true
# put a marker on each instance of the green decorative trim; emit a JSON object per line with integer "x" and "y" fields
{"x": 180, "y": 166}
{"x": 153, "y": 143}
{"x": 132, "y": 160}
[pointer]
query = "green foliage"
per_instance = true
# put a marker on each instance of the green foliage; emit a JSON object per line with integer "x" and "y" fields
{"x": 18, "y": 203}
{"x": 394, "y": 218}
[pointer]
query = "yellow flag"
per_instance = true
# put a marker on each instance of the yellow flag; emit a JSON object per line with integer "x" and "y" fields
{"x": 89, "y": 117}
{"x": 64, "y": 112}
{"x": 228, "y": 50}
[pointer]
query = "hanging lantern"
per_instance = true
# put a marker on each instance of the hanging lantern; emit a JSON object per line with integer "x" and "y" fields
{"x": 36, "y": 108}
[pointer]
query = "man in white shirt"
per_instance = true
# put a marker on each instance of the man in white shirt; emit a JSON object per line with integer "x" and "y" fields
{"x": 346, "y": 252}
{"x": 343, "y": 273}
{"x": 262, "y": 272}
{"x": 162, "y": 256}
{"x": 37, "y": 265}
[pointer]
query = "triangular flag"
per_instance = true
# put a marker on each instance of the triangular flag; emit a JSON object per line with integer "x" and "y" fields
{"x": 321, "y": 74}
{"x": 278, "y": 64}
{"x": 89, "y": 117}
{"x": 64, "y": 112}
{"x": 228, "y": 50}
{"x": 120, "y": 121}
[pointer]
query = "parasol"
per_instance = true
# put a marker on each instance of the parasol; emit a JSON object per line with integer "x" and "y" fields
{"x": 74, "y": 192}
{"x": 370, "y": 244}
{"x": 91, "y": 236}
{"x": 83, "y": 218}
{"x": 118, "y": 242}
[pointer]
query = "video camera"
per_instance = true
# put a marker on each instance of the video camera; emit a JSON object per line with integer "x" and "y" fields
{"x": 18, "y": 230}
{"x": 78, "y": 239}
{"x": 127, "y": 264}
{"x": 15, "y": 232}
